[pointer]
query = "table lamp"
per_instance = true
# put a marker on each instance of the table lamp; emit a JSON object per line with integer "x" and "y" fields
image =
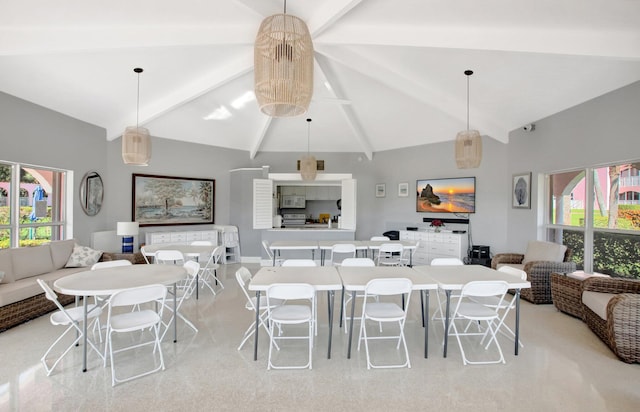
{"x": 127, "y": 230}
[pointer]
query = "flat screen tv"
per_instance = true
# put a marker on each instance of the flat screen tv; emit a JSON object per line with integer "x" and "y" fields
{"x": 451, "y": 195}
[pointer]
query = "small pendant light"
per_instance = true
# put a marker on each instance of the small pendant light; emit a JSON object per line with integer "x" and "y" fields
{"x": 308, "y": 163}
{"x": 468, "y": 142}
{"x": 136, "y": 141}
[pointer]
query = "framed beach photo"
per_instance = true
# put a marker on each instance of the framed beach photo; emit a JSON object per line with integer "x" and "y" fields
{"x": 521, "y": 191}
{"x": 380, "y": 190}
{"x": 168, "y": 200}
{"x": 403, "y": 190}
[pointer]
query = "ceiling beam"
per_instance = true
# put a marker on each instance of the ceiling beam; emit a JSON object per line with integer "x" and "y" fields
{"x": 347, "y": 110}
{"x": 231, "y": 70}
{"x": 618, "y": 44}
{"x": 329, "y": 12}
{"x": 418, "y": 90}
{"x": 266, "y": 124}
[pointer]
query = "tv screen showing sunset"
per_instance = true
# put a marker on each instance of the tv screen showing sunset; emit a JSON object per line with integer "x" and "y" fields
{"x": 453, "y": 195}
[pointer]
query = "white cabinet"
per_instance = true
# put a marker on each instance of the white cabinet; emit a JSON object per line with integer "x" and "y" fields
{"x": 293, "y": 191}
{"x": 436, "y": 245}
{"x": 323, "y": 192}
{"x": 181, "y": 237}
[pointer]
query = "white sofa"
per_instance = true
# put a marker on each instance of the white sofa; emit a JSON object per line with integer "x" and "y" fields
{"x": 21, "y": 298}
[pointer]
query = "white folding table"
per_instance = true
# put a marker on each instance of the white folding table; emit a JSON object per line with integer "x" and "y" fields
{"x": 280, "y": 245}
{"x": 322, "y": 278}
{"x": 451, "y": 278}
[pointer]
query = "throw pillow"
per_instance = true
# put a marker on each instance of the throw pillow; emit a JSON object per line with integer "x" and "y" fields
{"x": 83, "y": 256}
{"x": 544, "y": 251}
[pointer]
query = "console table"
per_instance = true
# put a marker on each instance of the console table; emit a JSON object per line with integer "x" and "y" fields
{"x": 436, "y": 245}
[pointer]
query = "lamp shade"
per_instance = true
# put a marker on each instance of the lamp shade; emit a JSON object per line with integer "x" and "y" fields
{"x": 468, "y": 149}
{"x": 283, "y": 66}
{"x": 127, "y": 228}
{"x": 136, "y": 146}
{"x": 308, "y": 168}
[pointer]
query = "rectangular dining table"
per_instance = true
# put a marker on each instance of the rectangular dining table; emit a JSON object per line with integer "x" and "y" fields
{"x": 322, "y": 278}
{"x": 451, "y": 278}
{"x": 279, "y": 245}
{"x": 355, "y": 278}
{"x": 107, "y": 281}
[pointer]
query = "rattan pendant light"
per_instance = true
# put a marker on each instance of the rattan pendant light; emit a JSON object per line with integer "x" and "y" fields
{"x": 136, "y": 141}
{"x": 283, "y": 66}
{"x": 308, "y": 163}
{"x": 468, "y": 142}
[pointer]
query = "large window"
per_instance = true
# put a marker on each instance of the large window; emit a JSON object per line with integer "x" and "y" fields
{"x": 32, "y": 205}
{"x": 596, "y": 212}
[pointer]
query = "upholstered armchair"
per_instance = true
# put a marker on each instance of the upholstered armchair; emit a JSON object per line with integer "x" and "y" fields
{"x": 539, "y": 261}
{"x": 611, "y": 308}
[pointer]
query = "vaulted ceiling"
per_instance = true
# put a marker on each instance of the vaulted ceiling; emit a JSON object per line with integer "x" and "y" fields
{"x": 388, "y": 74}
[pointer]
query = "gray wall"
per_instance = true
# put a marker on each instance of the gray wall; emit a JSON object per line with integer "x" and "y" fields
{"x": 34, "y": 135}
{"x": 598, "y": 132}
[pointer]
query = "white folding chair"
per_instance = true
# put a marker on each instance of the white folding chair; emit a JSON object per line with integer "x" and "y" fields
{"x": 467, "y": 309}
{"x": 209, "y": 269}
{"x": 390, "y": 254}
{"x": 505, "y": 306}
{"x": 299, "y": 263}
{"x": 184, "y": 290}
{"x": 346, "y": 298}
{"x": 168, "y": 257}
{"x": 243, "y": 276}
{"x": 439, "y": 313}
{"x": 342, "y": 251}
{"x": 290, "y": 314}
{"x": 102, "y": 300}
{"x": 203, "y": 257}
{"x": 71, "y": 318}
{"x": 265, "y": 245}
{"x": 385, "y": 312}
{"x": 407, "y": 255}
{"x": 137, "y": 320}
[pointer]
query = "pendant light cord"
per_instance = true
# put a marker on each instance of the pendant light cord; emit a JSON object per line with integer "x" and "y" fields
{"x": 468, "y": 73}
{"x": 308, "y": 134}
{"x": 285, "y": 6}
{"x": 138, "y": 70}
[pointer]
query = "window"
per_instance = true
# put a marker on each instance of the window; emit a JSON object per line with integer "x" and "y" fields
{"x": 596, "y": 212}
{"x": 32, "y": 205}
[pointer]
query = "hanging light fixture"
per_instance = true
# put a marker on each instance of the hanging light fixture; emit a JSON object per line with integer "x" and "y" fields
{"x": 308, "y": 163}
{"x": 468, "y": 142}
{"x": 283, "y": 66}
{"x": 136, "y": 141}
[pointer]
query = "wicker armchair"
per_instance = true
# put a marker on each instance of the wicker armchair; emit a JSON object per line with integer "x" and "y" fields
{"x": 621, "y": 329}
{"x": 538, "y": 273}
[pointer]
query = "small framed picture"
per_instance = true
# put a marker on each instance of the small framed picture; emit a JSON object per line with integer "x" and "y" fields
{"x": 381, "y": 190}
{"x": 403, "y": 190}
{"x": 521, "y": 191}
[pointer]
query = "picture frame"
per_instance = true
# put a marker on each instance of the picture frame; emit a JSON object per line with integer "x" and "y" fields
{"x": 403, "y": 190}
{"x": 521, "y": 191}
{"x": 381, "y": 190}
{"x": 170, "y": 200}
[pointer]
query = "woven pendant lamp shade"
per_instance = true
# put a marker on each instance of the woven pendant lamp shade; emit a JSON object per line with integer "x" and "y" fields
{"x": 468, "y": 149}
{"x": 283, "y": 66}
{"x": 468, "y": 142}
{"x": 136, "y": 146}
{"x": 308, "y": 163}
{"x": 136, "y": 140}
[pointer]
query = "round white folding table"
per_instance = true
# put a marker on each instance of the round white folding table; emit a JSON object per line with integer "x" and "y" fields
{"x": 107, "y": 281}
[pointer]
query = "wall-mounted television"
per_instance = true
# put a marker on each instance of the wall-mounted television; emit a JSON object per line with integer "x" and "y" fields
{"x": 450, "y": 195}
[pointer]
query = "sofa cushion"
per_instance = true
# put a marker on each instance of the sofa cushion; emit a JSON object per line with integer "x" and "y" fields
{"x": 60, "y": 252}
{"x": 83, "y": 256}
{"x": 31, "y": 261}
{"x": 513, "y": 265}
{"x": 544, "y": 251}
{"x": 6, "y": 266}
{"x": 28, "y": 287}
{"x": 597, "y": 302}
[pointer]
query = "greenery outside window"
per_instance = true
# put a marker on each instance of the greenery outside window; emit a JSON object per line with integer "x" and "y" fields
{"x": 596, "y": 212}
{"x": 32, "y": 205}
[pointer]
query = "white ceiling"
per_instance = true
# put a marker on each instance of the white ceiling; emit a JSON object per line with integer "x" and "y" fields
{"x": 388, "y": 74}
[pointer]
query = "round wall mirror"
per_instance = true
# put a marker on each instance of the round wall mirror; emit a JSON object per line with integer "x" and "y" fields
{"x": 91, "y": 193}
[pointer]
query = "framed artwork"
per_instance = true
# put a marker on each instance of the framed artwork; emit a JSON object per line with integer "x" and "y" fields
{"x": 521, "y": 191}
{"x": 403, "y": 190}
{"x": 168, "y": 200}
{"x": 380, "y": 190}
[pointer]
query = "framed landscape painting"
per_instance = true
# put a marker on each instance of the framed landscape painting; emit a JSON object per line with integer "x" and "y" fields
{"x": 168, "y": 200}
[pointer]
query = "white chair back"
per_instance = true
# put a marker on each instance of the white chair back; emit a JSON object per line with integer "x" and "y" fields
{"x": 170, "y": 257}
{"x": 358, "y": 262}
{"x": 136, "y": 296}
{"x": 447, "y": 262}
{"x": 388, "y": 286}
{"x": 111, "y": 264}
{"x": 513, "y": 271}
{"x": 380, "y": 238}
